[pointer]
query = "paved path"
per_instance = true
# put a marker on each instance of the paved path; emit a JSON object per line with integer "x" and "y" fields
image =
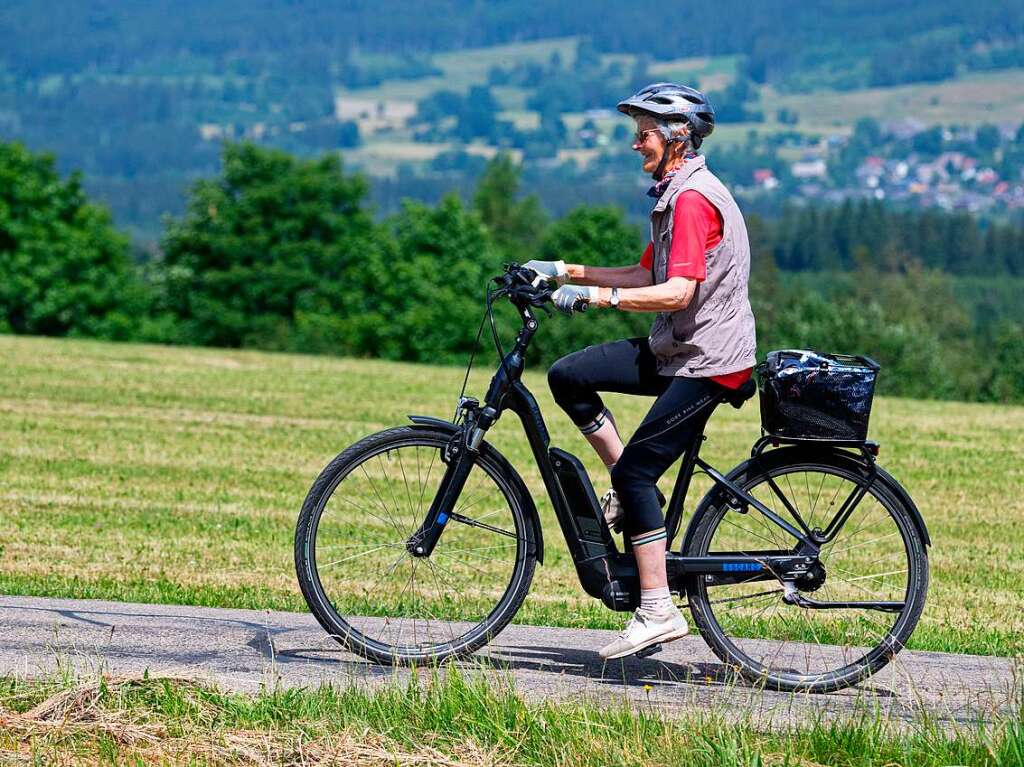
{"x": 244, "y": 649}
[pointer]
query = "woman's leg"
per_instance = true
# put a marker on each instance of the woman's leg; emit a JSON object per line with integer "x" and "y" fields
{"x": 626, "y": 367}
{"x": 677, "y": 418}
{"x": 674, "y": 421}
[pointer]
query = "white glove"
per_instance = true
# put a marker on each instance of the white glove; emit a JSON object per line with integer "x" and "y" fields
{"x": 552, "y": 271}
{"x": 574, "y": 298}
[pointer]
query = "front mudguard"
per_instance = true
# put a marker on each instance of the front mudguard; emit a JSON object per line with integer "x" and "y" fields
{"x": 800, "y": 453}
{"x": 517, "y": 482}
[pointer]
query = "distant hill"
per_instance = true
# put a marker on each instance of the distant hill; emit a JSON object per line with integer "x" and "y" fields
{"x": 139, "y": 95}
{"x": 864, "y": 42}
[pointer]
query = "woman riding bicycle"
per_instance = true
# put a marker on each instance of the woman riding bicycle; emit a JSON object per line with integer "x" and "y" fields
{"x": 694, "y": 274}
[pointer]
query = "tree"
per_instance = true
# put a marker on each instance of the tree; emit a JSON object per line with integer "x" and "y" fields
{"x": 275, "y": 253}
{"x": 430, "y": 300}
{"x": 1006, "y": 380}
{"x": 988, "y": 137}
{"x": 64, "y": 269}
{"x": 515, "y": 224}
{"x": 590, "y": 235}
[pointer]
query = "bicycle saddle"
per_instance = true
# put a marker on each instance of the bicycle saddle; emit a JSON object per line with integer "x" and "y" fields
{"x": 739, "y": 396}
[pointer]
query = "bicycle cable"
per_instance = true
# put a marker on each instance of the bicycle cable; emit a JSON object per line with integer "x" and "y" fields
{"x": 488, "y": 315}
{"x": 494, "y": 333}
{"x": 472, "y": 356}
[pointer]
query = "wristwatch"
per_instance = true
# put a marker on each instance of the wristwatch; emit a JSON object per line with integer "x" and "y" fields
{"x": 614, "y": 300}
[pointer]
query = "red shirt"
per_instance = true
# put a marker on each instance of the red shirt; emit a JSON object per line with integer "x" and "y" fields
{"x": 696, "y": 229}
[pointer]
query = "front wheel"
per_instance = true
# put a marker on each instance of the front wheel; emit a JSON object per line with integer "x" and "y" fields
{"x": 365, "y": 587}
{"x": 877, "y": 556}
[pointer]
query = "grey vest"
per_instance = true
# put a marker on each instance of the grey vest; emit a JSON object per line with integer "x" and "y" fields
{"x": 714, "y": 334}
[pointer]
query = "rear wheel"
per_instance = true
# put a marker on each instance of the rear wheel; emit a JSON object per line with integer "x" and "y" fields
{"x": 362, "y": 583}
{"x": 878, "y": 555}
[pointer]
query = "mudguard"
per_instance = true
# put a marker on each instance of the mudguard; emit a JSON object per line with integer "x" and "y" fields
{"x": 786, "y": 455}
{"x": 517, "y": 481}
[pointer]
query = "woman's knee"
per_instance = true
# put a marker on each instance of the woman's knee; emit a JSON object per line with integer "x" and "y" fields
{"x": 639, "y": 496}
{"x": 627, "y": 476}
{"x": 560, "y": 378}
{"x": 572, "y": 391}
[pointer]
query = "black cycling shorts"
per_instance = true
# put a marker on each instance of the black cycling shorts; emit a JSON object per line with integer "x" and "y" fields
{"x": 679, "y": 414}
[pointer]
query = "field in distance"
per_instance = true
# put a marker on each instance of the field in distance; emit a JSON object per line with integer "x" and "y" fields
{"x": 382, "y": 111}
{"x": 151, "y": 474}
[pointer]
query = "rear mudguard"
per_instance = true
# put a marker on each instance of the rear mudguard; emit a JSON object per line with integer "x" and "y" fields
{"x": 799, "y": 453}
{"x": 517, "y": 481}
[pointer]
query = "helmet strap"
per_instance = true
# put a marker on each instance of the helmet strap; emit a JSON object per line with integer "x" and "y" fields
{"x": 659, "y": 172}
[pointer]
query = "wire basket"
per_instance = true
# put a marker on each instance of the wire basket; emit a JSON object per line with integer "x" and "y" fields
{"x": 807, "y": 395}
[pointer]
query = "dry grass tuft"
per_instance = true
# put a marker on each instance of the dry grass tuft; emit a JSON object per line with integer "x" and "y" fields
{"x": 78, "y": 726}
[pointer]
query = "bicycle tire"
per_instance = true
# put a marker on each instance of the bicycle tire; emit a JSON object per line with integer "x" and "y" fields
{"x": 351, "y": 630}
{"x": 730, "y": 649}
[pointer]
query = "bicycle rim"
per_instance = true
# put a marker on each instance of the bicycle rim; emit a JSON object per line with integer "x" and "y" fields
{"x": 380, "y": 600}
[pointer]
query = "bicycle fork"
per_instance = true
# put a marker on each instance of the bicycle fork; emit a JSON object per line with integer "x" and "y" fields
{"x": 460, "y": 455}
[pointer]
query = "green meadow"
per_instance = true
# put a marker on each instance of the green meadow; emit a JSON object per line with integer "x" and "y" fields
{"x": 175, "y": 475}
{"x": 443, "y": 721}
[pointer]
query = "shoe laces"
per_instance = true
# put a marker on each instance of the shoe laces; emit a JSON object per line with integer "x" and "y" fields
{"x": 635, "y": 619}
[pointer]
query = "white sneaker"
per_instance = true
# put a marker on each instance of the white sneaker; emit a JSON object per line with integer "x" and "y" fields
{"x": 644, "y": 630}
{"x": 612, "y": 510}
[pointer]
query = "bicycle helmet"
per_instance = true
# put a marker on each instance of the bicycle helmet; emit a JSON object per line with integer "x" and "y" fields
{"x": 670, "y": 101}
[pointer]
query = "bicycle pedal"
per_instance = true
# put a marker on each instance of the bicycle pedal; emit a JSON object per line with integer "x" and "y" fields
{"x": 648, "y": 651}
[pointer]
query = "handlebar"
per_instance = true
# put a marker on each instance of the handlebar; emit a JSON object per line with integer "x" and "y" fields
{"x": 522, "y": 287}
{"x": 525, "y": 288}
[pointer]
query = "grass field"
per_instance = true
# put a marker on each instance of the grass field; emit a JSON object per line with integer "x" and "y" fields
{"x": 445, "y": 722}
{"x": 157, "y": 474}
{"x": 981, "y": 97}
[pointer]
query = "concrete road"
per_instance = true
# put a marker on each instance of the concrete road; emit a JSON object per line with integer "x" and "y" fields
{"x": 244, "y": 650}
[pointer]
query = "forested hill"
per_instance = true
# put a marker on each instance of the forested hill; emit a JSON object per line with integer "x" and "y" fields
{"x": 852, "y": 42}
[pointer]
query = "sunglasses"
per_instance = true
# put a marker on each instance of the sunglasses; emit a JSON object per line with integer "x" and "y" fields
{"x": 641, "y": 135}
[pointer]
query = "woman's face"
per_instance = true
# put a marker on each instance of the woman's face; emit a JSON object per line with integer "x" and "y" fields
{"x": 649, "y": 142}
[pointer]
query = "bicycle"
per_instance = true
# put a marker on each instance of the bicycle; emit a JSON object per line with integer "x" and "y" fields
{"x": 805, "y": 567}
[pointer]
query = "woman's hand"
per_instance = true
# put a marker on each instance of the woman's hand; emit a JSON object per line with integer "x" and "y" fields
{"x": 552, "y": 271}
{"x": 573, "y": 298}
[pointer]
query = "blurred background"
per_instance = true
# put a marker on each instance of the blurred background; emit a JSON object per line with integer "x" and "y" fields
{"x": 343, "y": 177}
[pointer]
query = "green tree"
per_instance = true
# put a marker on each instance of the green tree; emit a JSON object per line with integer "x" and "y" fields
{"x": 1006, "y": 380}
{"x": 590, "y": 235}
{"x": 64, "y": 269}
{"x": 275, "y": 253}
{"x": 988, "y": 138}
{"x": 429, "y": 303}
{"x": 515, "y": 224}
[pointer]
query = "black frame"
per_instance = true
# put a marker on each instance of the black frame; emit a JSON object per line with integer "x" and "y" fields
{"x": 605, "y": 572}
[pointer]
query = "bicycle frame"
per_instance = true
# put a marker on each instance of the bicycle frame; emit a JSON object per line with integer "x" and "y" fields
{"x": 605, "y": 572}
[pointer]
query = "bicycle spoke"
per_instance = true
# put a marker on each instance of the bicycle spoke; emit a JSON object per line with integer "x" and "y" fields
{"x": 835, "y": 552}
{"x": 354, "y": 556}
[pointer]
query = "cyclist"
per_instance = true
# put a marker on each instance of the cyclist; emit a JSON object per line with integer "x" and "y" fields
{"x": 694, "y": 274}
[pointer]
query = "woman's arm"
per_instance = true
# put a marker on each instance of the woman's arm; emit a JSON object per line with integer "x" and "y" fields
{"x": 635, "y": 276}
{"x": 670, "y": 296}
